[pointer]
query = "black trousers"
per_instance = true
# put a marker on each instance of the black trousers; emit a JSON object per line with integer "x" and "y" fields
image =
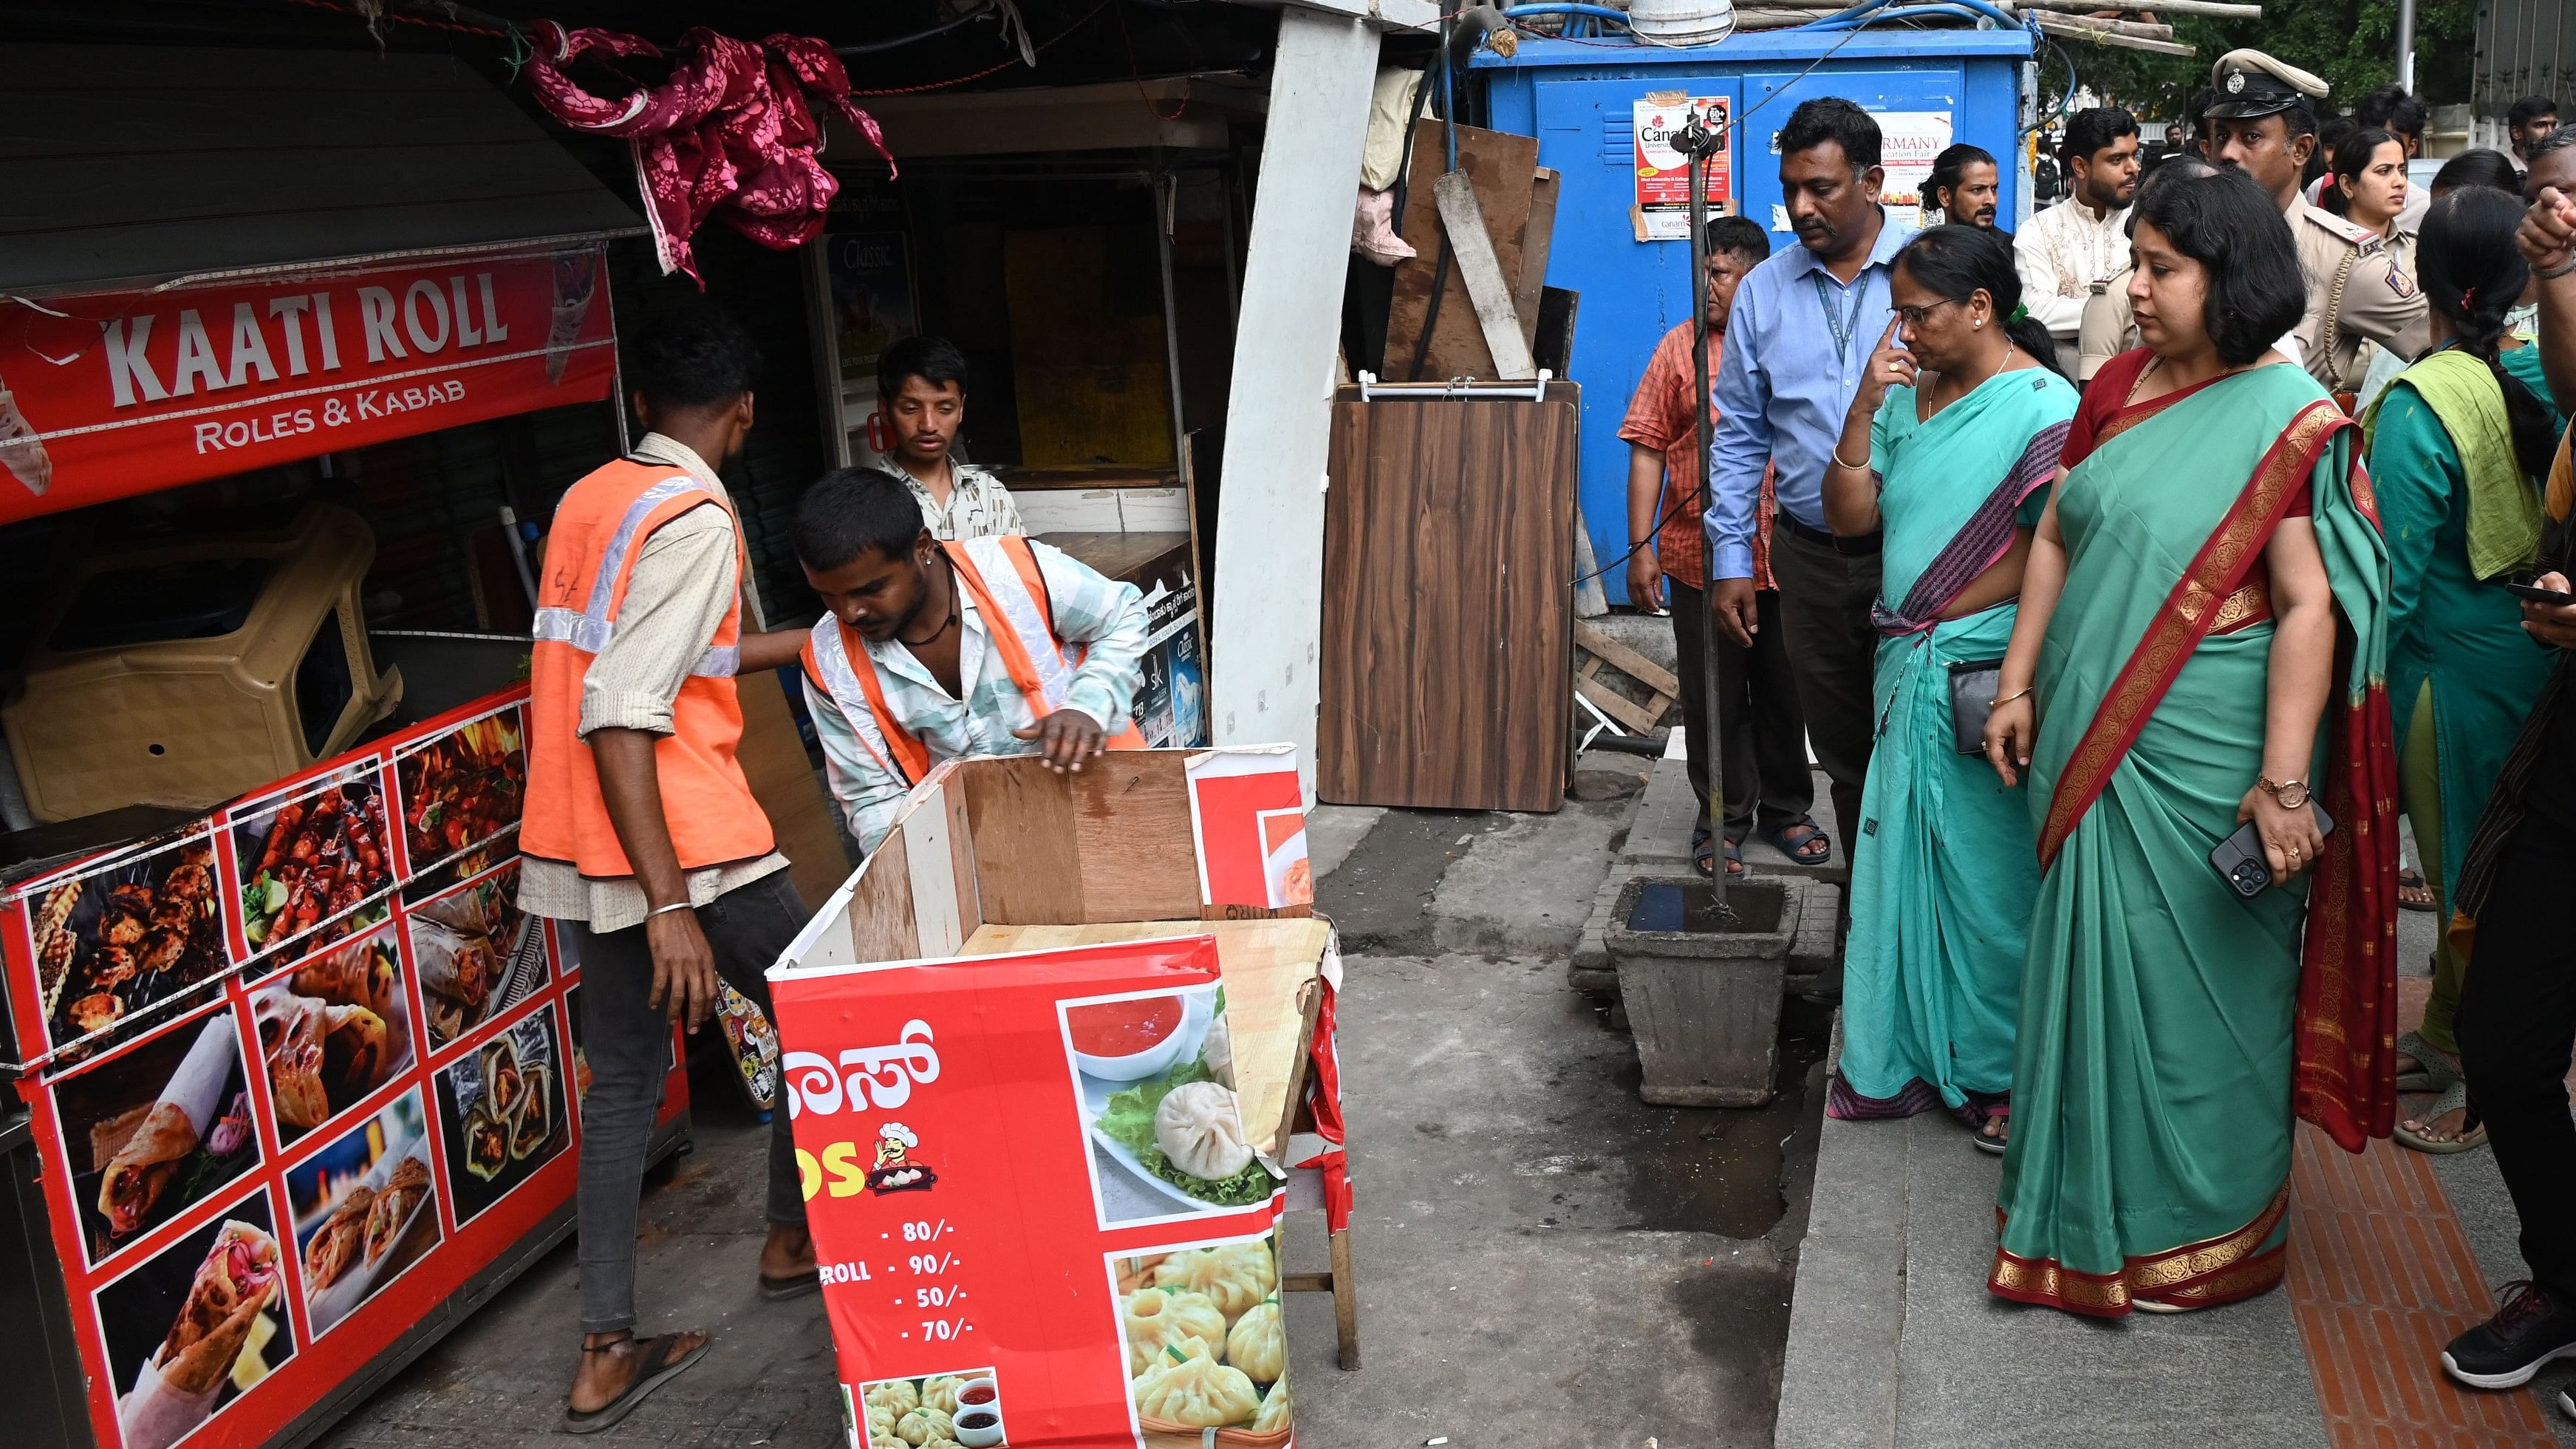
{"x": 1764, "y": 749}
{"x": 1825, "y": 596}
{"x": 2517, "y": 1025}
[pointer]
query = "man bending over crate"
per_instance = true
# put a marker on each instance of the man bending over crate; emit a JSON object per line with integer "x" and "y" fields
{"x": 933, "y": 651}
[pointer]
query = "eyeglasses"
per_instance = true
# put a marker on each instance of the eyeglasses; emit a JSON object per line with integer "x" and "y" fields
{"x": 1913, "y": 316}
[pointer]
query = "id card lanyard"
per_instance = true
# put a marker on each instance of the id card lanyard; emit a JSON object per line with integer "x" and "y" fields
{"x": 1842, "y": 328}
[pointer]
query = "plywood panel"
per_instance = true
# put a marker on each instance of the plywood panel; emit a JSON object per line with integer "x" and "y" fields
{"x": 1447, "y": 669}
{"x": 1503, "y": 170}
{"x": 1138, "y": 853}
{"x": 881, "y": 927}
{"x": 1021, "y": 817}
{"x": 1271, "y": 998}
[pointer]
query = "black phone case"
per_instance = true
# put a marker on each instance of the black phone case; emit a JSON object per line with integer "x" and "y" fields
{"x": 2239, "y": 858}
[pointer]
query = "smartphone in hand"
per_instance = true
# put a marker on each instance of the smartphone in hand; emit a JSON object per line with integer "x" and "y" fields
{"x": 2241, "y": 863}
{"x": 2534, "y": 593}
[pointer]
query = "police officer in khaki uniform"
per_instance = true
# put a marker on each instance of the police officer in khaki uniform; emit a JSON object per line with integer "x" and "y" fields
{"x": 2263, "y": 122}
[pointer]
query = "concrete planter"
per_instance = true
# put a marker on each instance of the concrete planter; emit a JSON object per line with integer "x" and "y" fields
{"x": 1703, "y": 998}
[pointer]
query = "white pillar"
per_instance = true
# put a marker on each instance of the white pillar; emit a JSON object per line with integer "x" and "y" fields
{"x": 1270, "y": 513}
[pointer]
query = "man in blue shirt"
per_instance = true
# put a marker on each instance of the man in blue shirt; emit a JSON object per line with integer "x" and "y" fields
{"x": 1805, "y": 324}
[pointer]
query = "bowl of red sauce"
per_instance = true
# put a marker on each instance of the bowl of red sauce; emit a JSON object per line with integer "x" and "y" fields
{"x": 979, "y": 1414}
{"x": 1135, "y": 1038}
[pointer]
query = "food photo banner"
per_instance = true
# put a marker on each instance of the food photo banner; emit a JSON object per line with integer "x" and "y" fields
{"x": 306, "y": 1071}
{"x": 1038, "y": 1213}
{"x": 101, "y": 948}
{"x": 117, "y": 393}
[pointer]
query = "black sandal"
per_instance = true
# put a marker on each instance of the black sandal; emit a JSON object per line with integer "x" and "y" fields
{"x": 656, "y": 1365}
{"x": 1985, "y": 1140}
{"x": 1793, "y": 839}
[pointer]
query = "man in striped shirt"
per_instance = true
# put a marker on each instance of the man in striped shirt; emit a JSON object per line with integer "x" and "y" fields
{"x": 915, "y": 658}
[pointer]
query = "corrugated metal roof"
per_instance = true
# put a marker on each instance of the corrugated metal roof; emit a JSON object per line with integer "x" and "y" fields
{"x": 134, "y": 164}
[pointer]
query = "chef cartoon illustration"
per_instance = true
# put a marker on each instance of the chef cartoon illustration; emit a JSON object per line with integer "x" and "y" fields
{"x": 896, "y": 1170}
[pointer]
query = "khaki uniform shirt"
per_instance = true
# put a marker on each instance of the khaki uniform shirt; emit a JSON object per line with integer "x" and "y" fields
{"x": 2366, "y": 284}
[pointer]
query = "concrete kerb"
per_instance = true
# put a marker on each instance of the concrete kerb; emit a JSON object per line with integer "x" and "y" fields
{"x": 1838, "y": 1379}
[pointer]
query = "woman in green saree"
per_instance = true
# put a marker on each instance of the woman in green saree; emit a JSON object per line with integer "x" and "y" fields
{"x": 2202, "y": 635}
{"x": 2458, "y": 445}
{"x": 1958, "y": 459}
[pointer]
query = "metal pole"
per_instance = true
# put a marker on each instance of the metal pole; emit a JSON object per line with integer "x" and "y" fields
{"x": 2406, "y": 45}
{"x": 1697, "y": 142}
{"x": 1166, "y": 200}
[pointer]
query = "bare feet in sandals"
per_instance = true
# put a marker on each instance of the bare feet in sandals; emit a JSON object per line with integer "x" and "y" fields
{"x": 618, "y": 1370}
{"x": 1996, "y": 1134}
{"x": 2442, "y": 1125}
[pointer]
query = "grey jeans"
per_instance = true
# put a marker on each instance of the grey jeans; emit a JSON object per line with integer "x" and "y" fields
{"x": 629, "y": 1046}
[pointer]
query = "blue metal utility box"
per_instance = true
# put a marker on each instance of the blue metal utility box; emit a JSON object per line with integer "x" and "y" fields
{"x": 1582, "y": 100}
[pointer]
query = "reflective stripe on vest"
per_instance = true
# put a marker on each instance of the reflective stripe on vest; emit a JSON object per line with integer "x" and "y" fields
{"x": 1000, "y": 574}
{"x": 590, "y": 629}
{"x": 831, "y": 657}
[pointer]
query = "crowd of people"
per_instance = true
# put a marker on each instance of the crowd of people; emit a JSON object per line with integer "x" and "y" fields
{"x": 2130, "y": 575}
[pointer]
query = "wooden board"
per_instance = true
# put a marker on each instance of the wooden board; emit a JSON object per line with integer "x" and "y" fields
{"x": 1538, "y": 238}
{"x": 1112, "y": 843}
{"x": 1504, "y": 171}
{"x": 1272, "y": 993}
{"x": 1447, "y": 669}
{"x": 918, "y": 896}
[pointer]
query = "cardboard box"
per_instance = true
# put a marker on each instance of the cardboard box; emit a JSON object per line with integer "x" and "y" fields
{"x": 1171, "y": 704}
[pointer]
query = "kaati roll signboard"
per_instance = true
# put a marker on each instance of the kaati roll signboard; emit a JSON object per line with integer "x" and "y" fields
{"x": 116, "y": 393}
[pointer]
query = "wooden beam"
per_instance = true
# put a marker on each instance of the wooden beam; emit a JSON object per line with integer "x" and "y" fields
{"x": 2142, "y": 29}
{"x": 1636, "y": 666}
{"x": 1473, "y": 250}
{"x": 1618, "y": 706}
{"x": 2161, "y": 7}
{"x": 2057, "y": 25}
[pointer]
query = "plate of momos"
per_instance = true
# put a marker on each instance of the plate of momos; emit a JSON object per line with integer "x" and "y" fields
{"x": 937, "y": 1411}
{"x": 1206, "y": 1347}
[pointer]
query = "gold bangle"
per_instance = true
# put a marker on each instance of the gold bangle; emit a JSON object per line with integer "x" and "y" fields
{"x": 1860, "y": 467}
{"x": 2009, "y": 698}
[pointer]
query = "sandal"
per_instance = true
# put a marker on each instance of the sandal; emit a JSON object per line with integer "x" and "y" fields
{"x": 2435, "y": 1070}
{"x": 2473, "y": 1133}
{"x": 1987, "y": 1140}
{"x": 2412, "y": 892}
{"x": 658, "y": 1361}
{"x": 1704, "y": 853}
{"x": 1794, "y": 839}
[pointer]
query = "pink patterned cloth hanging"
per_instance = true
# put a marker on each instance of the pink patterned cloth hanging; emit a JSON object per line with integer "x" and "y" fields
{"x": 732, "y": 130}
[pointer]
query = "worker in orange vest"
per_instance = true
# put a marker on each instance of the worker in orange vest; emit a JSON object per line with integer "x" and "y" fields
{"x": 640, "y": 834}
{"x": 932, "y": 651}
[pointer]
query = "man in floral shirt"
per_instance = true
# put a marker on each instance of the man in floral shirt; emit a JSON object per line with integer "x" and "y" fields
{"x": 921, "y": 389}
{"x": 1765, "y": 744}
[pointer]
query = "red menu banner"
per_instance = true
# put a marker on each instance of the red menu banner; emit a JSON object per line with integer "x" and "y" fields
{"x": 116, "y": 393}
{"x": 1039, "y": 1219}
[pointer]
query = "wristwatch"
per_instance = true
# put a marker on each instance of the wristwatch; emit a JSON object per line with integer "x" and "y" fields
{"x": 2288, "y": 794}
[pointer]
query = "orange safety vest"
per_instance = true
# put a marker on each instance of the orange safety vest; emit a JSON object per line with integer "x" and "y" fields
{"x": 1001, "y": 574}
{"x": 599, "y": 532}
